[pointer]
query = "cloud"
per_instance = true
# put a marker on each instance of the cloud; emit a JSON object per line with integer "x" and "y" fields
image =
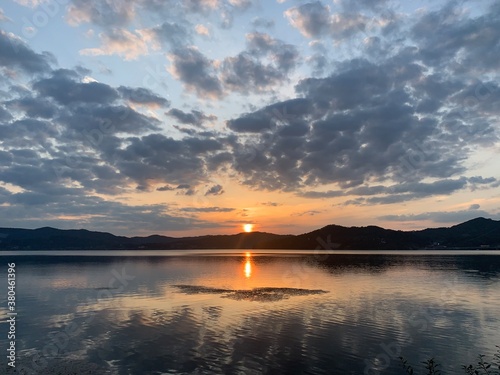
{"x": 271, "y": 204}
{"x": 459, "y": 38}
{"x": 200, "y": 6}
{"x": 26, "y": 133}
{"x": 84, "y": 111}
{"x": 307, "y": 213}
{"x": 3, "y": 17}
{"x": 284, "y": 56}
{"x": 248, "y": 71}
{"x": 241, "y": 4}
{"x": 90, "y": 154}
{"x": 243, "y": 72}
{"x": 260, "y": 42}
{"x": 262, "y": 66}
{"x": 196, "y": 71}
{"x": 168, "y": 34}
{"x": 207, "y": 209}
{"x": 268, "y": 117}
{"x": 165, "y": 188}
{"x": 142, "y": 95}
{"x": 259, "y": 22}
{"x": 14, "y": 54}
{"x": 81, "y": 134}
{"x": 311, "y": 19}
{"x": 202, "y": 30}
{"x": 391, "y": 119}
{"x": 94, "y": 213}
{"x": 187, "y": 192}
{"x": 479, "y": 180}
{"x": 94, "y": 122}
{"x": 195, "y": 117}
{"x": 357, "y": 6}
{"x": 119, "y": 42}
{"x": 5, "y": 115}
{"x": 343, "y": 26}
{"x": 446, "y": 186}
{"x": 31, "y": 3}
{"x": 322, "y": 194}
{"x": 109, "y": 14}
{"x": 105, "y": 13}
{"x": 63, "y": 87}
{"x": 215, "y": 190}
{"x": 155, "y": 157}
{"x": 360, "y": 123}
{"x": 397, "y": 193}
{"x": 315, "y": 20}
{"x": 440, "y": 216}
{"x": 33, "y": 107}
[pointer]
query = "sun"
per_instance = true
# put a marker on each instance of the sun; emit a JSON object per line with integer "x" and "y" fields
{"x": 248, "y": 227}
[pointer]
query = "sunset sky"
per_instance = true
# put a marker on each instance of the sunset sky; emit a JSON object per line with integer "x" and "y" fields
{"x": 199, "y": 116}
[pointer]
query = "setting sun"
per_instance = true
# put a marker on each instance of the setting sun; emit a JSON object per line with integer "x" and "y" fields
{"x": 248, "y": 227}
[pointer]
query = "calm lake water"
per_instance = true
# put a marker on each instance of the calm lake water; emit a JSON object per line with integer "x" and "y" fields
{"x": 231, "y": 312}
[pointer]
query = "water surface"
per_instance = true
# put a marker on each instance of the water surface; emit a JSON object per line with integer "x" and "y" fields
{"x": 237, "y": 312}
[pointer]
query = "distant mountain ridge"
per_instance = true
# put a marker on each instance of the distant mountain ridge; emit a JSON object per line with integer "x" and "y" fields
{"x": 477, "y": 233}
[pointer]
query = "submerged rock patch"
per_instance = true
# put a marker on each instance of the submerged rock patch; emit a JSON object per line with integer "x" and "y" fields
{"x": 268, "y": 294}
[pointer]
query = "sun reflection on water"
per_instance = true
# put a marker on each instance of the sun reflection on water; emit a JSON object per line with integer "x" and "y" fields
{"x": 248, "y": 265}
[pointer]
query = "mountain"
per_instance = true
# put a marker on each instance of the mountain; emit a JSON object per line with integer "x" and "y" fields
{"x": 334, "y": 237}
{"x": 473, "y": 234}
{"x": 57, "y": 239}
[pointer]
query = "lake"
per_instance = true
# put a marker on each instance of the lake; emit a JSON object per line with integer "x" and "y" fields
{"x": 251, "y": 312}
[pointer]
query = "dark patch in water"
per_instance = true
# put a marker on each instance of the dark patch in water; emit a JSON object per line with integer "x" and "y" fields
{"x": 256, "y": 294}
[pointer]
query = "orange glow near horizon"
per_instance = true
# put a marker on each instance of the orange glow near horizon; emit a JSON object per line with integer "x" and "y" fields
{"x": 248, "y": 228}
{"x": 248, "y": 266}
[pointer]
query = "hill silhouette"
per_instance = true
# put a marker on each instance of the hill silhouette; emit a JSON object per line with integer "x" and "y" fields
{"x": 476, "y": 233}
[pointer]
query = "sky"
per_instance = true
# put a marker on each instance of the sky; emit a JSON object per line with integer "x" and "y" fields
{"x": 199, "y": 116}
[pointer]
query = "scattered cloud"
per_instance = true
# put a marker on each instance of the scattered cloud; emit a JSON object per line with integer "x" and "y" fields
{"x": 261, "y": 67}
{"x": 307, "y": 213}
{"x": 398, "y": 193}
{"x": 202, "y": 30}
{"x": 15, "y": 54}
{"x": 121, "y": 42}
{"x": 95, "y": 214}
{"x": 362, "y": 105}
{"x": 31, "y": 3}
{"x": 64, "y": 87}
{"x": 311, "y": 19}
{"x": 215, "y": 190}
{"x": 207, "y": 209}
{"x": 3, "y": 17}
{"x": 194, "y": 117}
{"x": 105, "y": 13}
{"x": 271, "y": 204}
{"x": 165, "y": 188}
{"x": 196, "y": 71}
{"x": 168, "y": 34}
{"x": 241, "y": 4}
{"x": 248, "y": 71}
{"x": 260, "y": 22}
{"x": 201, "y": 6}
{"x": 143, "y": 96}
{"x": 441, "y": 216}
{"x": 33, "y": 107}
